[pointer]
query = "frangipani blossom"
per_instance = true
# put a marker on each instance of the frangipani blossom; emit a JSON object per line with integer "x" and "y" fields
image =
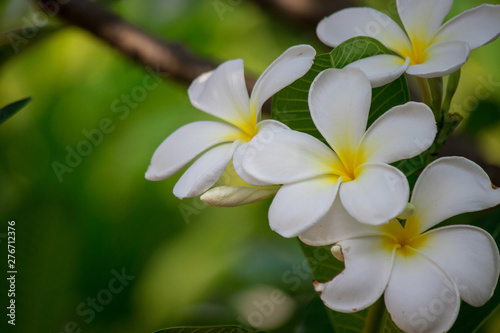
{"x": 353, "y": 166}
{"x": 222, "y": 93}
{"x": 423, "y": 273}
{"x": 430, "y": 49}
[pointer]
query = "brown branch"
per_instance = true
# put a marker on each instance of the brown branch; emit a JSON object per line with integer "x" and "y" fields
{"x": 304, "y": 12}
{"x": 461, "y": 145}
{"x": 165, "y": 58}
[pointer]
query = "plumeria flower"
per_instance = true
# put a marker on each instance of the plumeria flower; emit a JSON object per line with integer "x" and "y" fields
{"x": 430, "y": 49}
{"x": 422, "y": 273}
{"x": 355, "y": 163}
{"x": 222, "y": 93}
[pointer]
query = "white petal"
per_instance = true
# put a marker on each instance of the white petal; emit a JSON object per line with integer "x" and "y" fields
{"x": 203, "y": 174}
{"x": 441, "y": 59}
{"x": 352, "y": 22}
{"x": 268, "y": 129}
{"x": 378, "y": 194}
{"x": 287, "y": 68}
{"x": 420, "y": 296}
{"x": 469, "y": 255}
{"x": 287, "y": 157}
{"x": 477, "y": 26}
{"x": 233, "y": 196}
{"x": 297, "y": 207}
{"x": 422, "y": 18}
{"x": 367, "y": 270}
{"x": 382, "y": 69}
{"x": 339, "y": 100}
{"x": 450, "y": 186}
{"x": 182, "y": 146}
{"x": 402, "y": 132}
{"x": 337, "y": 225}
{"x": 222, "y": 93}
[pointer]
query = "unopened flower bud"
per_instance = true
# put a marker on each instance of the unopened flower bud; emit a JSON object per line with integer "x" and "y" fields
{"x": 233, "y": 196}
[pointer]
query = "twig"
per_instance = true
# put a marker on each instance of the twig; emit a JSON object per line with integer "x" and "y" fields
{"x": 164, "y": 57}
{"x": 304, "y": 12}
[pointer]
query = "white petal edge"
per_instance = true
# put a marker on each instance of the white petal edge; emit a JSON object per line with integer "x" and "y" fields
{"x": 339, "y": 101}
{"x": 420, "y": 296}
{"x": 336, "y": 226}
{"x": 297, "y": 207}
{"x": 185, "y": 144}
{"x": 450, "y": 186}
{"x": 287, "y": 157}
{"x": 378, "y": 194}
{"x": 477, "y": 26}
{"x": 367, "y": 271}
{"x": 469, "y": 255}
{"x": 381, "y": 69}
{"x": 353, "y": 22}
{"x": 422, "y": 18}
{"x": 402, "y": 132}
{"x": 205, "y": 171}
{"x": 222, "y": 93}
{"x": 287, "y": 68}
{"x": 268, "y": 129}
{"x": 442, "y": 59}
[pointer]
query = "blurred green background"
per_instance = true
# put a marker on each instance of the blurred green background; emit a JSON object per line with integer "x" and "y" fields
{"x": 181, "y": 262}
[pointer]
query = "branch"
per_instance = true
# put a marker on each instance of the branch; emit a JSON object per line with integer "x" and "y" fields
{"x": 165, "y": 58}
{"x": 305, "y": 12}
{"x": 461, "y": 145}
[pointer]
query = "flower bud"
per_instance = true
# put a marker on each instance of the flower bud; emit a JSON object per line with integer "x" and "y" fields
{"x": 233, "y": 196}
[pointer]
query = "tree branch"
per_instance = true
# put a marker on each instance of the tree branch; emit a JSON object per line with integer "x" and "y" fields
{"x": 163, "y": 57}
{"x": 462, "y": 145}
{"x": 305, "y": 12}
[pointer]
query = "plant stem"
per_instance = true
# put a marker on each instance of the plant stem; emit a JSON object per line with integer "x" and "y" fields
{"x": 426, "y": 91}
{"x": 374, "y": 317}
{"x": 436, "y": 87}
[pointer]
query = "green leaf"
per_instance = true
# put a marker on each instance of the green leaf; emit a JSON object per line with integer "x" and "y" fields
{"x": 290, "y": 104}
{"x": 9, "y": 110}
{"x": 208, "y": 329}
{"x": 315, "y": 318}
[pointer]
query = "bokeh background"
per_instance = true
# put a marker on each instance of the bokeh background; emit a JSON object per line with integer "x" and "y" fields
{"x": 181, "y": 262}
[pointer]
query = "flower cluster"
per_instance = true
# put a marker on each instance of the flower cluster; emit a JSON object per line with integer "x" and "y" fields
{"x": 344, "y": 191}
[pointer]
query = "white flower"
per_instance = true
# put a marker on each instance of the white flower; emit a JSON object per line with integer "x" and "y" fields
{"x": 423, "y": 272}
{"x": 430, "y": 50}
{"x": 222, "y": 93}
{"x": 357, "y": 168}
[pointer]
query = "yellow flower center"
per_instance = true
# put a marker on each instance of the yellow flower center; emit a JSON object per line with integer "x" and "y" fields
{"x": 349, "y": 167}
{"x": 416, "y": 53}
{"x": 404, "y": 239}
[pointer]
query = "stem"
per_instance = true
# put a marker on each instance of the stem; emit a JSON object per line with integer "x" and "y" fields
{"x": 436, "y": 87}
{"x": 445, "y": 128}
{"x": 426, "y": 91}
{"x": 375, "y": 315}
